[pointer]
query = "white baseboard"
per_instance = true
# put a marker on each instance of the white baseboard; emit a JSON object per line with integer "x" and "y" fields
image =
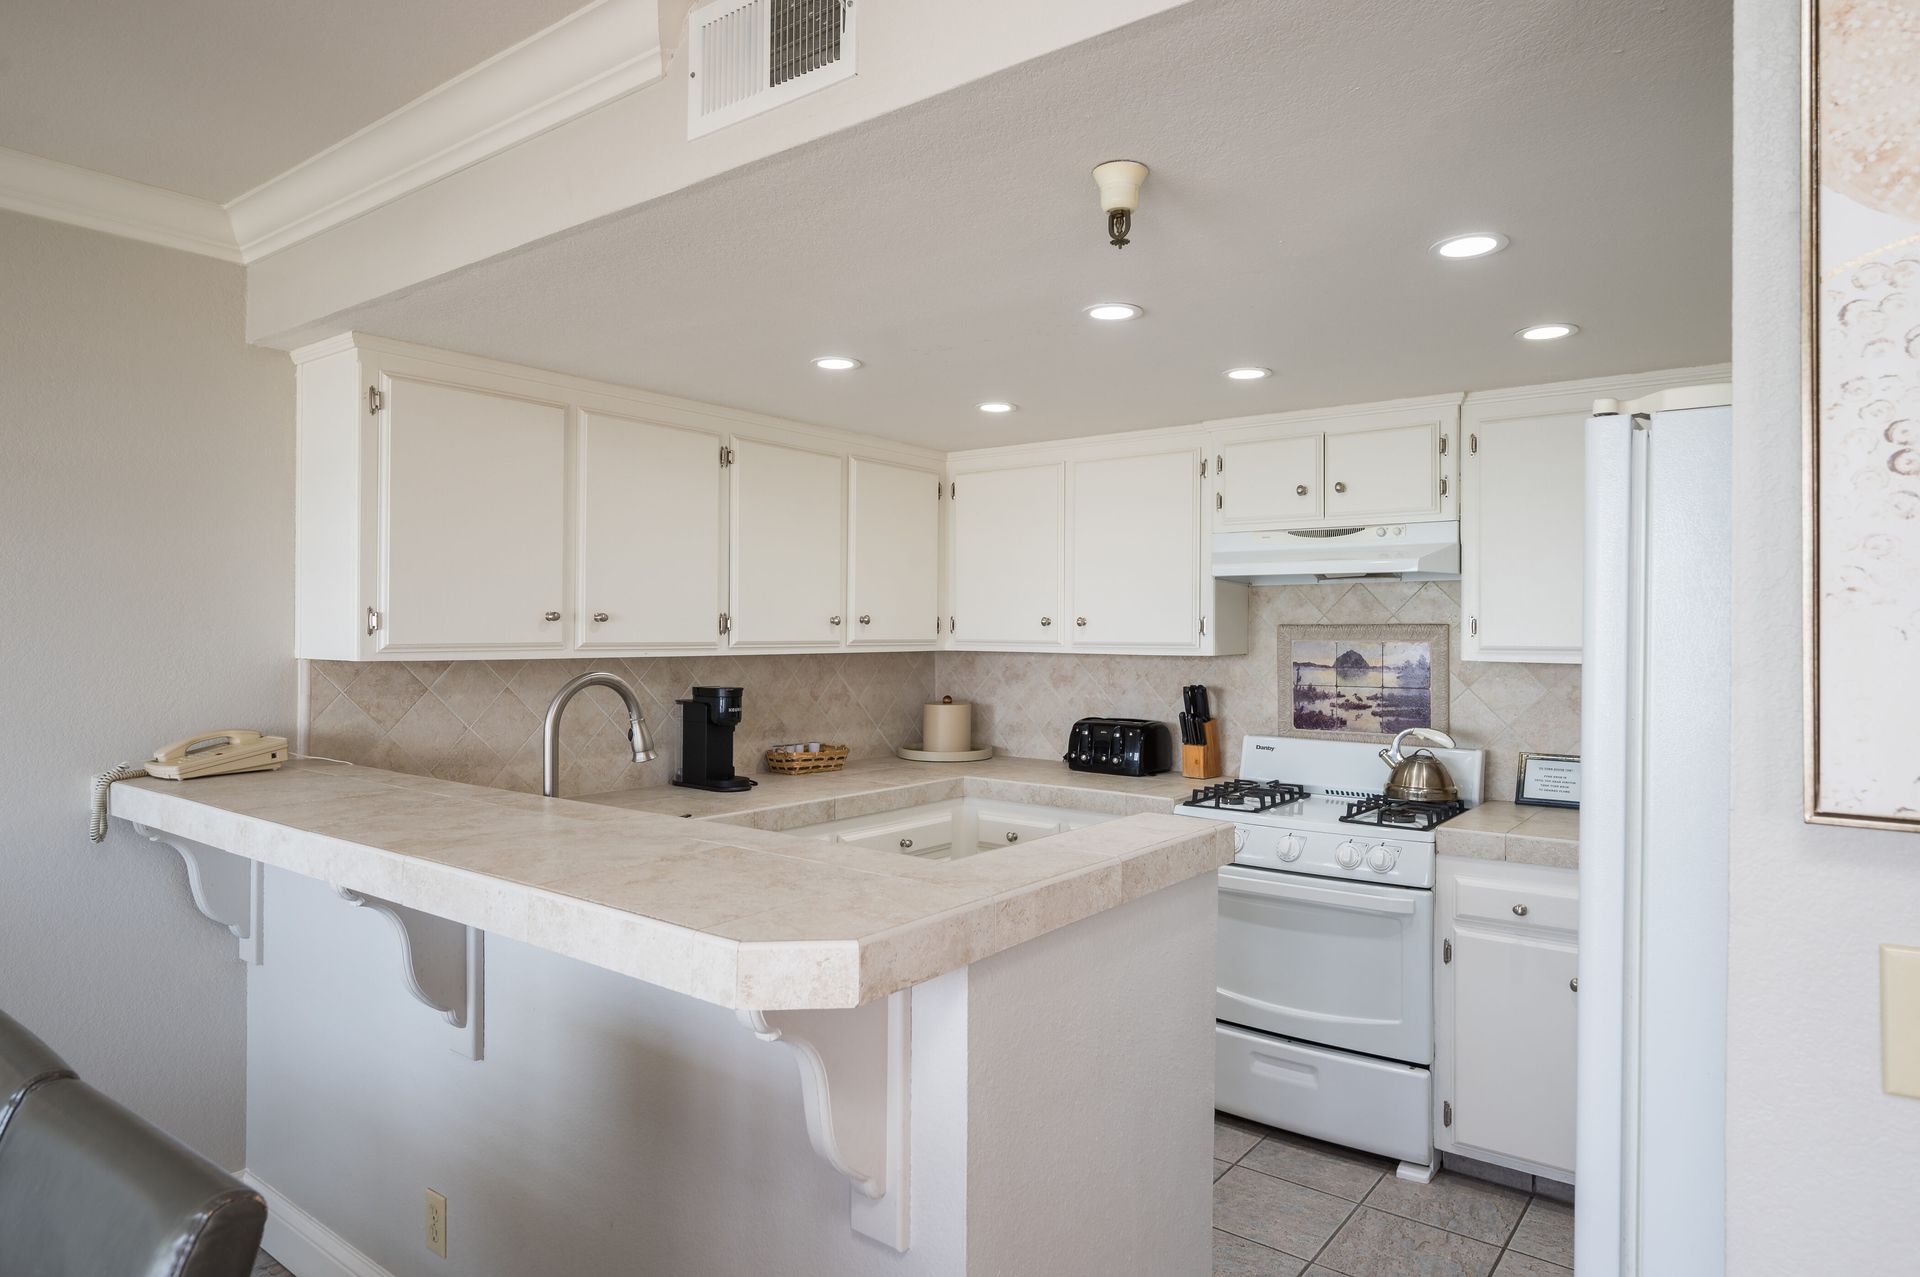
{"x": 305, "y": 1245}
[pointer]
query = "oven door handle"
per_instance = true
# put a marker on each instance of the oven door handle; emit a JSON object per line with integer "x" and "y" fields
{"x": 1261, "y": 884}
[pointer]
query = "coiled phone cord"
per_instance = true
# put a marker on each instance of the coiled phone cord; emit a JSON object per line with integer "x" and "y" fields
{"x": 102, "y": 783}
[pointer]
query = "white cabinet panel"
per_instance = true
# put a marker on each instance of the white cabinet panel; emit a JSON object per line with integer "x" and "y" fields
{"x": 893, "y": 554}
{"x": 789, "y": 534}
{"x": 1264, "y": 482}
{"x": 1392, "y": 471}
{"x": 1523, "y": 484}
{"x": 650, "y": 556}
{"x": 1136, "y": 550}
{"x": 472, "y": 518}
{"x": 1507, "y": 1012}
{"x": 1007, "y": 557}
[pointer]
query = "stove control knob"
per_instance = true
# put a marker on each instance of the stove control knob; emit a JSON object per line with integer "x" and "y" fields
{"x": 1383, "y": 858}
{"x": 1349, "y": 854}
{"x": 1239, "y": 840}
{"x": 1290, "y": 846}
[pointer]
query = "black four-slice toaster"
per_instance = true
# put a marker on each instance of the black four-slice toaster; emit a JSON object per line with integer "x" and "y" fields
{"x": 1120, "y": 747}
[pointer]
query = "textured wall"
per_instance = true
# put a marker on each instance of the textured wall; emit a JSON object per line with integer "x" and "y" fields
{"x": 479, "y": 721}
{"x": 1820, "y": 1164}
{"x": 1025, "y": 704}
{"x": 148, "y": 574}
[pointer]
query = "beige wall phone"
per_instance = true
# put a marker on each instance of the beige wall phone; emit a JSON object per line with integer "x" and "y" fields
{"x": 220, "y": 753}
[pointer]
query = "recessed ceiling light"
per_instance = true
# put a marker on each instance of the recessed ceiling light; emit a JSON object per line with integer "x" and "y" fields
{"x": 1547, "y": 332}
{"x": 1249, "y": 374}
{"x": 836, "y": 363}
{"x": 1113, "y": 312}
{"x": 996, "y": 405}
{"x": 1472, "y": 244}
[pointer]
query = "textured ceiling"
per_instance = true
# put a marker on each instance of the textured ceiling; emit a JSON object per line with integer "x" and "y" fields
{"x": 1303, "y": 156}
{"x": 213, "y": 97}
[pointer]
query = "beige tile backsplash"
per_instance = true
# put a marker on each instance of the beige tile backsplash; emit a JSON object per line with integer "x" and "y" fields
{"x": 479, "y": 721}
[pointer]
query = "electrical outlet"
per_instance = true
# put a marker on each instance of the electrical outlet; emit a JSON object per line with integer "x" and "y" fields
{"x": 1900, "y": 1020}
{"x": 437, "y": 1223}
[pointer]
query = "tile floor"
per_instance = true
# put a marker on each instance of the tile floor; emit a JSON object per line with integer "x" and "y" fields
{"x": 1285, "y": 1206}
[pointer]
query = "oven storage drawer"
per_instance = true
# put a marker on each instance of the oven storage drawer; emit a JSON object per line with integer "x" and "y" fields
{"x": 1355, "y": 1100}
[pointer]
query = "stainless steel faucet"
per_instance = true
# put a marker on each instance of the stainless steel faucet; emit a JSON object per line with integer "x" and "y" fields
{"x": 643, "y": 751}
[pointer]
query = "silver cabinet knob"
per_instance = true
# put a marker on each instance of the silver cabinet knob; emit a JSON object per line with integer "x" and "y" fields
{"x": 1574, "y": 984}
{"x": 1519, "y": 911}
{"x": 552, "y": 616}
{"x": 601, "y": 617}
{"x": 1080, "y": 621}
{"x": 1300, "y": 490}
{"x": 1046, "y": 621}
{"x": 833, "y": 620}
{"x": 1012, "y": 837}
{"x": 866, "y": 618}
{"x": 1339, "y": 487}
{"x": 906, "y": 842}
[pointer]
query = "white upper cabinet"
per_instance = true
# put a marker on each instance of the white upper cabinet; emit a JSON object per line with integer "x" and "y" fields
{"x": 652, "y": 535}
{"x": 1391, "y": 472}
{"x": 472, "y": 518}
{"x": 1522, "y": 537}
{"x": 1136, "y": 556}
{"x": 789, "y": 538}
{"x": 1007, "y": 557}
{"x": 893, "y": 554}
{"x": 1262, "y": 482}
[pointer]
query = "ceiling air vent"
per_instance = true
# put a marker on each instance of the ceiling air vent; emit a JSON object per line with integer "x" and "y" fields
{"x": 749, "y": 56}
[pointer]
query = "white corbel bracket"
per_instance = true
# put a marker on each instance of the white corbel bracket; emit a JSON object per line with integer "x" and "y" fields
{"x": 225, "y": 887}
{"x": 444, "y": 964}
{"x": 854, "y": 1068}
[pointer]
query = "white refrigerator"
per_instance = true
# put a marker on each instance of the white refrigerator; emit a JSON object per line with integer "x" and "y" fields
{"x": 1655, "y": 714}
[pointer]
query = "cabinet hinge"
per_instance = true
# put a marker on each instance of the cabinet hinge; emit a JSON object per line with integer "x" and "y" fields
{"x": 953, "y": 491}
{"x": 1443, "y": 445}
{"x": 1473, "y": 626}
{"x": 1443, "y": 485}
{"x": 939, "y": 490}
{"x": 1203, "y": 625}
{"x": 950, "y": 626}
{"x": 375, "y": 401}
{"x": 936, "y": 625}
{"x": 1473, "y": 445}
{"x": 1203, "y": 467}
{"x": 1446, "y": 1113}
{"x": 1219, "y": 501}
{"x": 1219, "y": 463}
{"x": 1446, "y": 951}
{"x": 373, "y": 621}
{"x": 726, "y": 623}
{"x": 726, "y": 456}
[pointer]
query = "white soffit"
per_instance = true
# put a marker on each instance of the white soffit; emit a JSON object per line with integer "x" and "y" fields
{"x": 587, "y": 59}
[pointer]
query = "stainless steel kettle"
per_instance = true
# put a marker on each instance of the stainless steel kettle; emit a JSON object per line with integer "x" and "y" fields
{"x": 1419, "y": 777}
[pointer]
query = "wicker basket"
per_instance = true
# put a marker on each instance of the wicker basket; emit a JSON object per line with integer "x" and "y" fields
{"x": 829, "y": 758}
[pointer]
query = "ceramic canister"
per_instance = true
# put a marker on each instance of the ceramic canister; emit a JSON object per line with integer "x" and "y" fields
{"x": 946, "y": 728}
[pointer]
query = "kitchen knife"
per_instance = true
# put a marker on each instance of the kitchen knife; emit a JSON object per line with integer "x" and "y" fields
{"x": 1203, "y": 710}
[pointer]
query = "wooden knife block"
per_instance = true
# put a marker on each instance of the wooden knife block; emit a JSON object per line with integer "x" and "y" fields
{"x": 1202, "y": 762}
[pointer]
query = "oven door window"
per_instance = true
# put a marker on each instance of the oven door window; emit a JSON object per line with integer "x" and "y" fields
{"x": 1341, "y": 964}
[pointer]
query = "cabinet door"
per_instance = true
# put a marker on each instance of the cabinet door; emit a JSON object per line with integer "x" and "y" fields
{"x": 1136, "y": 550}
{"x": 473, "y": 519}
{"x": 651, "y": 535}
{"x": 893, "y": 554}
{"x": 789, "y": 530}
{"x": 1007, "y": 557}
{"x": 1393, "y": 471}
{"x": 1269, "y": 481}
{"x": 1523, "y": 507}
{"x": 1513, "y": 1047}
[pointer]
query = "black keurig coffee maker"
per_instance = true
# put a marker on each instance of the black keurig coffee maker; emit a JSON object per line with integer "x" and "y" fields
{"x": 707, "y": 721}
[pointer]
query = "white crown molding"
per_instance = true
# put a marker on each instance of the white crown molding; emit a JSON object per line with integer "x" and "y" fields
{"x": 587, "y": 59}
{"x": 100, "y": 202}
{"x": 584, "y": 61}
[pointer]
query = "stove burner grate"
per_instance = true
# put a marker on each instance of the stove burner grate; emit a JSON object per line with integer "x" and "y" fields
{"x": 1246, "y": 795}
{"x": 1400, "y": 813}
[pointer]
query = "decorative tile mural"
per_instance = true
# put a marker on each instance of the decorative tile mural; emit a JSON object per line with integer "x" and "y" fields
{"x": 480, "y": 721}
{"x": 1362, "y": 682}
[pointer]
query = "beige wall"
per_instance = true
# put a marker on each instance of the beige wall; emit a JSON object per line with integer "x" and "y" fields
{"x": 1026, "y": 704}
{"x": 145, "y": 494}
{"x": 1820, "y": 1164}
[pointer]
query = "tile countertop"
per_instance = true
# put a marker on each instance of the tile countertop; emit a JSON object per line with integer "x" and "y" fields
{"x": 713, "y": 907}
{"x": 1508, "y": 831}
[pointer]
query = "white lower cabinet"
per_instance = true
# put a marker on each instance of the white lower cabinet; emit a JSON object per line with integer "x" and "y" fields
{"x": 789, "y": 533}
{"x": 1505, "y": 1005}
{"x": 893, "y": 554}
{"x": 1007, "y": 541}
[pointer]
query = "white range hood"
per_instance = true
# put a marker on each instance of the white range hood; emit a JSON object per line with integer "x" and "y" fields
{"x": 1408, "y": 551}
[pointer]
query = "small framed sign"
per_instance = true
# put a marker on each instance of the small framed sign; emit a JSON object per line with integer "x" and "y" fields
{"x": 1549, "y": 780}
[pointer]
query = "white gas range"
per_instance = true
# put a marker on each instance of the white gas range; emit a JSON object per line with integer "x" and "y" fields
{"x": 1325, "y": 967}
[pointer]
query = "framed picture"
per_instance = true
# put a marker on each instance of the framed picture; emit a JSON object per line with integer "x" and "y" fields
{"x": 1548, "y": 780}
{"x": 1861, "y": 371}
{"x": 1362, "y": 682}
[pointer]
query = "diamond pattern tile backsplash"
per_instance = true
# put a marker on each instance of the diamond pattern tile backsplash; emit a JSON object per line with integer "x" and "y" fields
{"x": 1025, "y": 704}
{"x": 479, "y": 721}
